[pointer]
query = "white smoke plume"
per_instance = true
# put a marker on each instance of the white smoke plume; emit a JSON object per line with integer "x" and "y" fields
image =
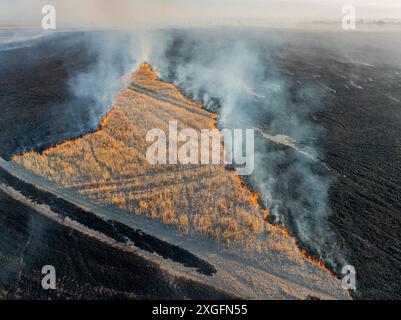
{"x": 233, "y": 72}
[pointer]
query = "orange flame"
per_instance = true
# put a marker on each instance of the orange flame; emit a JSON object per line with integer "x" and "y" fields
{"x": 315, "y": 261}
{"x": 255, "y": 198}
{"x": 105, "y": 120}
{"x": 145, "y": 69}
{"x": 285, "y": 232}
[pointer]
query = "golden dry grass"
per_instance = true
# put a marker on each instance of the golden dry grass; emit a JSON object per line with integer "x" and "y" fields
{"x": 110, "y": 167}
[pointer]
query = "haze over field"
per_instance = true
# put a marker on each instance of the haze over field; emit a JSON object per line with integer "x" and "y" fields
{"x": 100, "y": 13}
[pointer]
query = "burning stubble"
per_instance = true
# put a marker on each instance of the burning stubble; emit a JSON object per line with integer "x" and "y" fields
{"x": 236, "y": 76}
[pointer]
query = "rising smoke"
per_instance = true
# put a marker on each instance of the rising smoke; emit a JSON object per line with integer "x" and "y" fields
{"x": 233, "y": 72}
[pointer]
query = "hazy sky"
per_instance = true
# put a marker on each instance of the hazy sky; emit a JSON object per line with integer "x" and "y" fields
{"x": 84, "y": 12}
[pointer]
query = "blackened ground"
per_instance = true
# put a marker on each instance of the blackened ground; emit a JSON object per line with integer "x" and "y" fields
{"x": 37, "y": 105}
{"x": 85, "y": 268}
{"x": 362, "y": 144}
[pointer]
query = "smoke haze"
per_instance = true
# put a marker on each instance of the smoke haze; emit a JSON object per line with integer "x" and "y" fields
{"x": 101, "y": 13}
{"x": 235, "y": 75}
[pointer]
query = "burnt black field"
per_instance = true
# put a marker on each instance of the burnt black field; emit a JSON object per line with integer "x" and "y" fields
{"x": 361, "y": 139}
{"x": 87, "y": 269}
{"x": 34, "y": 86}
{"x": 362, "y": 146}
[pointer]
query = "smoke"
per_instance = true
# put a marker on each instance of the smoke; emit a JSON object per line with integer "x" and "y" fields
{"x": 114, "y": 54}
{"x": 99, "y": 84}
{"x": 13, "y": 39}
{"x": 234, "y": 72}
{"x": 128, "y": 13}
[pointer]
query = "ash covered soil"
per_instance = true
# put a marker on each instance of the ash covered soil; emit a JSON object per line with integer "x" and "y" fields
{"x": 362, "y": 146}
{"x": 37, "y": 104}
{"x": 86, "y": 268}
{"x": 361, "y": 142}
